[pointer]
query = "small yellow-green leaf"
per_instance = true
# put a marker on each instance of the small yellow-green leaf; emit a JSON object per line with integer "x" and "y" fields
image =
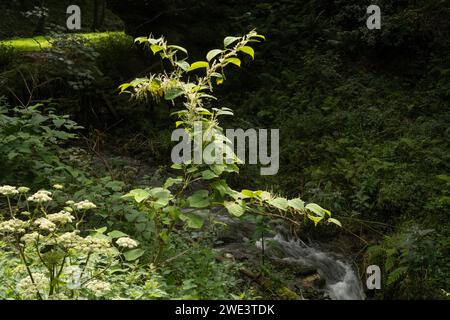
{"x": 315, "y": 219}
{"x": 178, "y": 48}
{"x": 155, "y": 48}
{"x": 259, "y": 36}
{"x": 335, "y": 221}
{"x": 140, "y": 40}
{"x": 183, "y": 65}
{"x": 235, "y": 61}
{"x": 229, "y": 40}
{"x": 198, "y": 64}
{"x": 213, "y": 53}
{"x": 248, "y": 193}
{"x": 248, "y": 50}
{"x": 315, "y": 208}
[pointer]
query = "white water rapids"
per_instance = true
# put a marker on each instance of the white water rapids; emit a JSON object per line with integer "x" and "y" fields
{"x": 342, "y": 282}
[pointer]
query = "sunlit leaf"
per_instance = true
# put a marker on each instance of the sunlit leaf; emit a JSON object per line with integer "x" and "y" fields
{"x": 213, "y": 53}
{"x": 235, "y": 61}
{"x": 248, "y": 50}
{"x": 198, "y": 65}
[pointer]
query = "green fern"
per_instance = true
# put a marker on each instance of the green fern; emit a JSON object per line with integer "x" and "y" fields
{"x": 396, "y": 275}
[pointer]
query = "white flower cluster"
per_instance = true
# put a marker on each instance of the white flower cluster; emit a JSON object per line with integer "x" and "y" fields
{"x": 61, "y": 217}
{"x": 126, "y": 242}
{"x": 13, "y": 226}
{"x": 40, "y": 196}
{"x": 8, "y": 190}
{"x": 28, "y": 289}
{"x": 58, "y": 186}
{"x": 99, "y": 288}
{"x": 70, "y": 239}
{"x": 23, "y": 189}
{"x": 30, "y": 237}
{"x": 45, "y": 224}
{"x": 85, "y": 205}
{"x": 91, "y": 244}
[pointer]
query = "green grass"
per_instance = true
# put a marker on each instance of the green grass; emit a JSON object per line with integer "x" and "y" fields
{"x": 40, "y": 42}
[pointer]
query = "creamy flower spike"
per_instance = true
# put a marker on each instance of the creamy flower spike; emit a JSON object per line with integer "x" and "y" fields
{"x": 45, "y": 224}
{"x": 8, "y": 190}
{"x": 41, "y": 196}
{"x": 126, "y": 242}
{"x": 13, "y": 226}
{"x": 85, "y": 205}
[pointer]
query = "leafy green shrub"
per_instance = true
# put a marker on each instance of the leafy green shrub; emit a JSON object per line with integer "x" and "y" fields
{"x": 7, "y": 56}
{"x": 117, "y": 56}
{"x": 192, "y": 271}
{"x": 414, "y": 263}
{"x": 173, "y": 203}
{"x": 31, "y": 141}
{"x": 73, "y": 59}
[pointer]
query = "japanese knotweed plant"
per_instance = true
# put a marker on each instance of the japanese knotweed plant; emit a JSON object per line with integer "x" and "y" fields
{"x": 45, "y": 253}
{"x": 171, "y": 203}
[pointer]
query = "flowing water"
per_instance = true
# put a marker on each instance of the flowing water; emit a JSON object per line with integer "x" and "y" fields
{"x": 341, "y": 280}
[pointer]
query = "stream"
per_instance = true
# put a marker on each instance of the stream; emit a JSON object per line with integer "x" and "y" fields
{"x": 341, "y": 280}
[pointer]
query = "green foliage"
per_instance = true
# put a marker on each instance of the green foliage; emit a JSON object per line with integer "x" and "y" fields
{"x": 31, "y": 138}
{"x": 414, "y": 263}
{"x": 195, "y": 274}
{"x": 169, "y": 207}
{"x": 55, "y": 257}
{"x": 74, "y": 60}
{"x": 8, "y": 55}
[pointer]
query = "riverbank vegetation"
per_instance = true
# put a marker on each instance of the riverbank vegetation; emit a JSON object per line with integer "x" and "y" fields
{"x": 363, "y": 118}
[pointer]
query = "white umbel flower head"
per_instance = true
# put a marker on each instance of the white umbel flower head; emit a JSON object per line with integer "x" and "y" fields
{"x": 45, "y": 224}
{"x": 41, "y": 196}
{"x": 28, "y": 289}
{"x": 23, "y": 189}
{"x": 61, "y": 217}
{"x": 8, "y": 190}
{"x": 13, "y": 226}
{"x": 85, "y": 205}
{"x": 99, "y": 288}
{"x": 58, "y": 186}
{"x": 126, "y": 242}
{"x": 70, "y": 239}
{"x": 30, "y": 238}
